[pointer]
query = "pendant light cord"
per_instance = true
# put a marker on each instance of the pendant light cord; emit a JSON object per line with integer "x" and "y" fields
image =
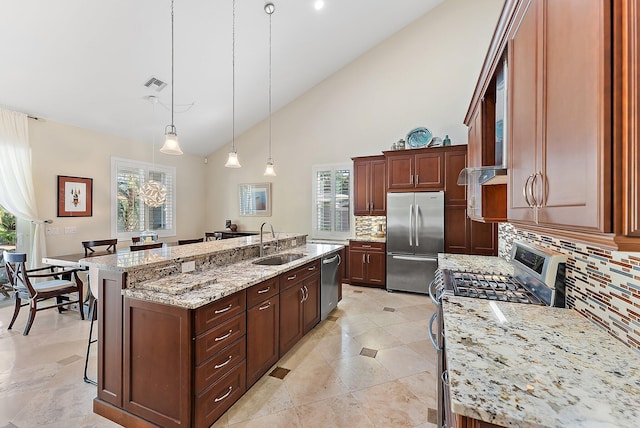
{"x": 233, "y": 80}
{"x": 270, "y": 160}
{"x": 172, "y": 126}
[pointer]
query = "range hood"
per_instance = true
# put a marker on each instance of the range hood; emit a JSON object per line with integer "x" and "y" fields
{"x": 484, "y": 175}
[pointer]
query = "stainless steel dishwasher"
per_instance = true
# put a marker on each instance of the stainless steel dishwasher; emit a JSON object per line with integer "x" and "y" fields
{"x": 329, "y": 283}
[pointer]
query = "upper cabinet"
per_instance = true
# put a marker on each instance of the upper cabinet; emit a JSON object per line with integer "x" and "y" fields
{"x": 369, "y": 185}
{"x": 572, "y": 119}
{"x": 415, "y": 170}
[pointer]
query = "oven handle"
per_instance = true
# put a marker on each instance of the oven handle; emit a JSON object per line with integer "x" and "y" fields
{"x": 431, "y": 336}
{"x": 432, "y": 292}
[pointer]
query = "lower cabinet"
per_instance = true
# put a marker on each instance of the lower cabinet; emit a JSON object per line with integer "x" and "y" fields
{"x": 263, "y": 328}
{"x": 299, "y": 304}
{"x": 367, "y": 263}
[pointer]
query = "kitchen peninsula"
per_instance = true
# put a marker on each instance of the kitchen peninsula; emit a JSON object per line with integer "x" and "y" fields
{"x": 185, "y": 331}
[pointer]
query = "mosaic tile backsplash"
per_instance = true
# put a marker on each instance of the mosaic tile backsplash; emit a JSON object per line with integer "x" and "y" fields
{"x": 368, "y": 225}
{"x": 602, "y": 285}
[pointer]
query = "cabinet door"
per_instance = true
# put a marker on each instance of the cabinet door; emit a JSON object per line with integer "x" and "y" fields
{"x": 357, "y": 263}
{"x": 378, "y": 189}
{"x": 263, "y": 326}
{"x": 290, "y": 317}
{"x": 361, "y": 187}
{"x": 577, "y": 103}
{"x": 429, "y": 171}
{"x": 524, "y": 108}
{"x": 376, "y": 272}
{"x": 456, "y": 230}
{"x": 483, "y": 238}
{"x": 454, "y": 161}
{"x": 400, "y": 172}
{"x": 311, "y": 306}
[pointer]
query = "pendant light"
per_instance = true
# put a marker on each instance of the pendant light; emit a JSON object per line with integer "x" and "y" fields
{"x": 171, "y": 145}
{"x": 269, "y": 8}
{"x": 153, "y": 193}
{"x": 232, "y": 161}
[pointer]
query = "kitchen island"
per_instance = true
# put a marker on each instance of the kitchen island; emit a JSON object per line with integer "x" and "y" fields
{"x": 517, "y": 365}
{"x": 184, "y": 331}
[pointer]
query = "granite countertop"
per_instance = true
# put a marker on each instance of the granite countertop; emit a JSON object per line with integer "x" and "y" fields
{"x": 132, "y": 260}
{"x": 193, "y": 290}
{"x": 369, "y": 238}
{"x": 535, "y": 366}
{"x": 464, "y": 262}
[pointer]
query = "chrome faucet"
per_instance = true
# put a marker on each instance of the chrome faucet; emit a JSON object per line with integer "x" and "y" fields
{"x": 273, "y": 234}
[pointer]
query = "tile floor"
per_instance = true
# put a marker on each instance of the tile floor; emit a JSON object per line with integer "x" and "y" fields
{"x": 369, "y": 365}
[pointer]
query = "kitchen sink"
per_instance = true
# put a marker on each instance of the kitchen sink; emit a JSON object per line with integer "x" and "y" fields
{"x": 278, "y": 259}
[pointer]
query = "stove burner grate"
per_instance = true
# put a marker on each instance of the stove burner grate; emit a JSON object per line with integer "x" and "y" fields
{"x": 500, "y": 287}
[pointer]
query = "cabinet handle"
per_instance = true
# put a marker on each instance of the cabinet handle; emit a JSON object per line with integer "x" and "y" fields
{"x": 532, "y": 186}
{"x": 218, "y": 339}
{"x": 411, "y": 179}
{"x": 306, "y": 292}
{"x": 433, "y": 340}
{"x": 267, "y": 306}
{"x": 219, "y": 311}
{"x": 302, "y": 299}
{"x": 264, "y": 290}
{"x": 525, "y": 189}
{"x": 445, "y": 377}
{"x": 366, "y": 246}
{"x": 371, "y": 207}
{"x": 364, "y": 260}
{"x": 217, "y": 366}
{"x": 312, "y": 268}
{"x": 417, "y": 179}
{"x": 368, "y": 258}
{"x": 224, "y": 396}
{"x": 291, "y": 278}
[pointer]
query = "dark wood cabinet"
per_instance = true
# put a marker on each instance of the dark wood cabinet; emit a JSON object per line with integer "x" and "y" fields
{"x": 560, "y": 110}
{"x": 299, "y": 304}
{"x": 263, "y": 328}
{"x": 415, "y": 170}
{"x": 202, "y": 349}
{"x": 369, "y": 191}
{"x": 367, "y": 263}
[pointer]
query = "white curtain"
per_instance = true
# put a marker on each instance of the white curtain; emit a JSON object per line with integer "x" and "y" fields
{"x": 17, "y": 194}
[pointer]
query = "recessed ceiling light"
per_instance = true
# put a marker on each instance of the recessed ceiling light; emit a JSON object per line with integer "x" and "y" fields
{"x": 319, "y": 4}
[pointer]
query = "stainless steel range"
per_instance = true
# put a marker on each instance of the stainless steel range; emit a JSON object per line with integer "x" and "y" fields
{"x": 538, "y": 278}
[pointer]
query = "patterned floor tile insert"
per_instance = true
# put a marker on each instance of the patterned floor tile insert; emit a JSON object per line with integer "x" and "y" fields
{"x": 432, "y": 416}
{"x": 387, "y": 309}
{"x": 69, "y": 360}
{"x": 332, "y": 318}
{"x": 367, "y": 352}
{"x": 279, "y": 372}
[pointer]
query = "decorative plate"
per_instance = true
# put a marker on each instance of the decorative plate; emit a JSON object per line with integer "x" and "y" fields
{"x": 419, "y": 137}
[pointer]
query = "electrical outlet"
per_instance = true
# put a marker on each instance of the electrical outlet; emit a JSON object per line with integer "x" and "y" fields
{"x": 69, "y": 230}
{"x": 294, "y": 243}
{"x": 188, "y": 266}
{"x": 52, "y": 231}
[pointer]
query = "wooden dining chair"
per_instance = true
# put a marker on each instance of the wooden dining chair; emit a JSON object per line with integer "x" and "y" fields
{"x": 90, "y": 246}
{"x": 190, "y": 241}
{"x": 141, "y": 247}
{"x": 33, "y": 293}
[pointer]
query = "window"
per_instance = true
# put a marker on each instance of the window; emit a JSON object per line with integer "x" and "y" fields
{"x": 332, "y": 201}
{"x": 129, "y": 215}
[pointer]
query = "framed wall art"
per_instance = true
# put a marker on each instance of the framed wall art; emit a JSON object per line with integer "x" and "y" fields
{"x": 75, "y": 196}
{"x": 255, "y": 199}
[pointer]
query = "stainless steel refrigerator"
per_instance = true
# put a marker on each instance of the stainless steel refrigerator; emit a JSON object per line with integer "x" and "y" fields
{"x": 415, "y": 236}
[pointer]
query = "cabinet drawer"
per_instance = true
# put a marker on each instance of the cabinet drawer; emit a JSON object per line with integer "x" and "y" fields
{"x": 218, "y": 338}
{"x": 263, "y": 291}
{"x": 220, "y": 364}
{"x": 213, "y": 402}
{"x": 367, "y": 246}
{"x": 219, "y": 311}
{"x": 294, "y": 276}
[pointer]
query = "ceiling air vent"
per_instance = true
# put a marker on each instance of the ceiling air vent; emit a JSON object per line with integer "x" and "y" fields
{"x": 156, "y": 84}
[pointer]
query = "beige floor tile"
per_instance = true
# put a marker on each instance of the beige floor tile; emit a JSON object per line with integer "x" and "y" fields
{"x": 424, "y": 348}
{"x": 359, "y": 372}
{"x": 266, "y": 397}
{"x": 378, "y": 338}
{"x": 409, "y": 332}
{"x": 336, "y": 347}
{"x": 313, "y": 381}
{"x": 392, "y": 404}
{"x": 418, "y": 312}
{"x": 339, "y": 411}
{"x": 402, "y": 361}
{"x": 423, "y": 385}
{"x": 284, "y": 419}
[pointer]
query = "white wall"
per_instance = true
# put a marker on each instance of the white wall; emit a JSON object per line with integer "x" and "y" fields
{"x": 59, "y": 149}
{"x": 422, "y": 76}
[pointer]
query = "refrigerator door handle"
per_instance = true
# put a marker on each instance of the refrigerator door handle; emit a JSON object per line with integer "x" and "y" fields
{"x": 417, "y": 225}
{"x": 411, "y": 225}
